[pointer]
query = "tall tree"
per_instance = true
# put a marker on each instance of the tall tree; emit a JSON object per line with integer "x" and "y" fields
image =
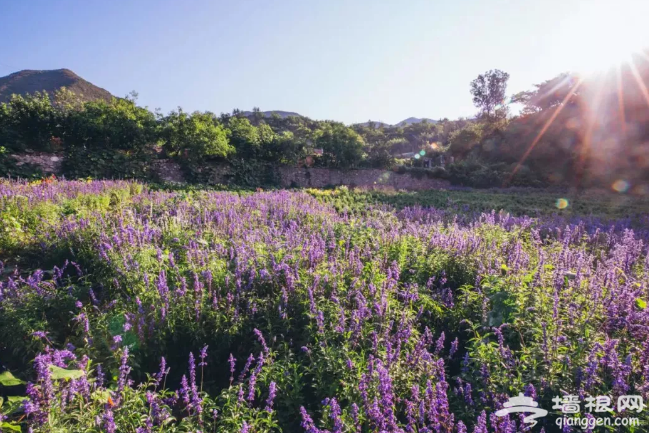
{"x": 562, "y": 89}
{"x": 488, "y": 92}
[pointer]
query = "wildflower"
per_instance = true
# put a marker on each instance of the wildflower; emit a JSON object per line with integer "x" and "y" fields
{"x": 260, "y": 337}
{"x": 109, "y": 421}
{"x": 439, "y": 345}
{"x": 124, "y": 371}
{"x": 272, "y": 391}
{"x": 203, "y": 356}
{"x": 454, "y": 347}
{"x": 232, "y": 360}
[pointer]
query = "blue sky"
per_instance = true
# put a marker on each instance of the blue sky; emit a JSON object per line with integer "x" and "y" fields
{"x": 347, "y": 60}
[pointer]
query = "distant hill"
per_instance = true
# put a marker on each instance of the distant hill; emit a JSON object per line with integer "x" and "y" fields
{"x": 280, "y": 113}
{"x": 376, "y": 124}
{"x": 30, "y": 81}
{"x": 408, "y": 121}
{"x": 411, "y": 120}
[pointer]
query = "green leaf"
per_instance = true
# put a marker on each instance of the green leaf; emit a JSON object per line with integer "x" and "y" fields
{"x": 12, "y": 404}
{"x": 62, "y": 373}
{"x": 8, "y": 379}
{"x": 10, "y": 427}
{"x": 641, "y": 303}
{"x": 16, "y": 398}
{"x": 101, "y": 396}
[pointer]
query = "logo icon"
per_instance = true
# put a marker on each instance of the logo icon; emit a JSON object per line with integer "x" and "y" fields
{"x": 523, "y": 404}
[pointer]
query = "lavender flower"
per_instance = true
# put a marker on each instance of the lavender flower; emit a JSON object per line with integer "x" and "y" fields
{"x": 272, "y": 391}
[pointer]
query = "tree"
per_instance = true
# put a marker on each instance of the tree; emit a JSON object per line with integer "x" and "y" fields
{"x": 199, "y": 134}
{"x": 464, "y": 140}
{"x": 244, "y": 137}
{"x": 548, "y": 94}
{"x": 342, "y": 146}
{"x": 285, "y": 148}
{"x": 488, "y": 92}
{"x": 257, "y": 115}
{"x": 28, "y": 122}
{"x": 119, "y": 124}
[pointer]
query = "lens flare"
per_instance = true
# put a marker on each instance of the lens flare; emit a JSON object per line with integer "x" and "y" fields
{"x": 605, "y": 33}
{"x": 562, "y": 203}
{"x": 620, "y": 185}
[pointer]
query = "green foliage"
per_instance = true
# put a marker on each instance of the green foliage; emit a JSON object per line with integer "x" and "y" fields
{"x": 249, "y": 174}
{"x": 119, "y": 125}
{"x": 464, "y": 140}
{"x": 108, "y": 163}
{"x": 286, "y": 148}
{"x": 8, "y": 379}
{"x": 29, "y": 123}
{"x": 244, "y": 137}
{"x": 546, "y": 145}
{"x": 146, "y": 257}
{"x": 476, "y": 174}
{"x": 195, "y": 136}
{"x": 551, "y": 93}
{"x": 488, "y": 92}
{"x": 463, "y": 202}
{"x": 59, "y": 373}
{"x": 342, "y": 147}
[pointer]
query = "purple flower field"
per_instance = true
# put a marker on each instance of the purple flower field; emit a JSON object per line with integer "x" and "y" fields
{"x": 128, "y": 310}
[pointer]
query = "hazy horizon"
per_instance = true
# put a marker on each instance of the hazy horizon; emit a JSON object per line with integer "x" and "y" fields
{"x": 325, "y": 60}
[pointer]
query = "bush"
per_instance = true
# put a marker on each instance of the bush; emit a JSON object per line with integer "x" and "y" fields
{"x": 195, "y": 136}
{"x": 29, "y": 123}
{"x": 108, "y": 163}
{"x": 421, "y": 172}
{"x": 119, "y": 125}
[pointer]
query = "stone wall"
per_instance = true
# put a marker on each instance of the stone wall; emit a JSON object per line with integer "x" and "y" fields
{"x": 321, "y": 177}
{"x": 169, "y": 171}
{"x": 49, "y": 163}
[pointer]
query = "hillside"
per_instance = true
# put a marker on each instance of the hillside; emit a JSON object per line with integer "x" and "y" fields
{"x": 376, "y": 124}
{"x": 30, "y": 81}
{"x": 280, "y": 113}
{"x": 406, "y": 122}
{"x": 411, "y": 120}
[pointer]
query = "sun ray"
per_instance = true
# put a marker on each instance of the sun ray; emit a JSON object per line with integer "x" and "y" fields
{"x": 620, "y": 99}
{"x": 557, "y": 86}
{"x": 592, "y": 116}
{"x": 643, "y": 54}
{"x": 638, "y": 79}
{"x": 545, "y": 128}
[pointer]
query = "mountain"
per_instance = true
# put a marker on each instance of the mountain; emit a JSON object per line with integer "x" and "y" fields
{"x": 280, "y": 113}
{"x": 411, "y": 120}
{"x": 376, "y": 123}
{"x": 408, "y": 121}
{"x": 30, "y": 81}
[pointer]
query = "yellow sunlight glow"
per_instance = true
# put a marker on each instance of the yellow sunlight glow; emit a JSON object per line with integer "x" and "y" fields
{"x": 606, "y": 33}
